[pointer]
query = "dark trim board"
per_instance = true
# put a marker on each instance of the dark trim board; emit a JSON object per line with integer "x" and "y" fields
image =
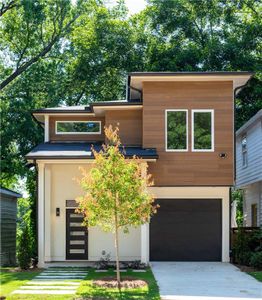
{"x": 187, "y": 230}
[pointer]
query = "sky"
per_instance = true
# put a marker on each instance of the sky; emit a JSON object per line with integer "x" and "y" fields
{"x": 134, "y": 6}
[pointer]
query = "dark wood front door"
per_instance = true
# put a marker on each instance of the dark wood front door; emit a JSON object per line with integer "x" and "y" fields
{"x": 186, "y": 230}
{"x": 76, "y": 236}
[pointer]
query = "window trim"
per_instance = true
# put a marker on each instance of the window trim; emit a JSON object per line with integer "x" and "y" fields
{"x": 176, "y": 150}
{"x": 77, "y": 133}
{"x": 212, "y": 130}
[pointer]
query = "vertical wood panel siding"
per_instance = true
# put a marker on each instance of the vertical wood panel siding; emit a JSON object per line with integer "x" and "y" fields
{"x": 8, "y": 230}
{"x": 189, "y": 168}
{"x": 129, "y": 123}
{"x": 75, "y": 137}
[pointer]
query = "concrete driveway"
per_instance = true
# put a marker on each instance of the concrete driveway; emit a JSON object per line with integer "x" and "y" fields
{"x": 204, "y": 281}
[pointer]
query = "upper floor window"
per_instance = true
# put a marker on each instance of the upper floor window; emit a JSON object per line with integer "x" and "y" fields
{"x": 244, "y": 150}
{"x": 176, "y": 130}
{"x": 202, "y": 130}
{"x": 78, "y": 127}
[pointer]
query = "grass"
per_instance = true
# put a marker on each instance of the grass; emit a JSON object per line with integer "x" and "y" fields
{"x": 11, "y": 281}
{"x": 257, "y": 275}
{"x": 87, "y": 290}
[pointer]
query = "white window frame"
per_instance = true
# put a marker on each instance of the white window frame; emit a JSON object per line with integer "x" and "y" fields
{"x": 176, "y": 150}
{"x": 78, "y": 133}
{"x": 212, "y": 130}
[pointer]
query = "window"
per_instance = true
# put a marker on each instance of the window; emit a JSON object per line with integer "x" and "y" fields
{"x": 78, "y": 127}
{"x": 202, "y": 130}
{"x": 254, "y": 215}
{"x": 244, "y": 150}
{"x": 176, "y": 130}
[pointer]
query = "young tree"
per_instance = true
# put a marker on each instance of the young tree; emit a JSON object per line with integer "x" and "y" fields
{"x": 115, "y": 195}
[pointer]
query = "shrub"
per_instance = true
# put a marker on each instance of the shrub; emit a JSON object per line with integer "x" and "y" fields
{"x": 24, "y": 249}
{"x": 256, "y": 260}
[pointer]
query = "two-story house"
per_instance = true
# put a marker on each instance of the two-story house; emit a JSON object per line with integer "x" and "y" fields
{"x": 182, "y": 126}
{"x": 249, "y": 169}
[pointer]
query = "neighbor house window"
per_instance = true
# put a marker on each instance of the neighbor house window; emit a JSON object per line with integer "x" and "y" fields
{"x": 244, "y": 151}
{"x": 202, "y": 130}
{"x": 176, "y": 130}
{"x": 78, "y": 127}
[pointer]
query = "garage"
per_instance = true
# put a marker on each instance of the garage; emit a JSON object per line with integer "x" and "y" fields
{"x": 186, "y": 230}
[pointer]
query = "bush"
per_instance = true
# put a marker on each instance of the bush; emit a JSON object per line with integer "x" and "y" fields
{"x": 24, "y": 249}
{"x": 256, "y": 260}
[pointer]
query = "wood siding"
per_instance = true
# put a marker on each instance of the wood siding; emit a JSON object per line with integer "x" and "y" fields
{"x": 129, "y": 123}
{"x": 8, "y": 230}
{"x": 75, "y": 137}
{"x": 253, "y": 171}
{"x": 189, "y": 168}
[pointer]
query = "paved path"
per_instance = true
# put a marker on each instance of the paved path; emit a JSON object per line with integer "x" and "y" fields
{"x": 54, "y": 281}
{"x": 204, "y": 281}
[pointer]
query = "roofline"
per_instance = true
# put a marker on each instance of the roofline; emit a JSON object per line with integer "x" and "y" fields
{"x": 221, "y": 73}
{"x": 88, "y": 109}
{"x": 249, "y": 123}
{"x": 29, "y": 157}
{"x": 9, "y": 192}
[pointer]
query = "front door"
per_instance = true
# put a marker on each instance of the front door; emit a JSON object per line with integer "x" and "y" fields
{"x": 76, "y": 236}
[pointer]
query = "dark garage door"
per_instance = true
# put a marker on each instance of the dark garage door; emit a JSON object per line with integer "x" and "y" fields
{"x": 186, "y": 230}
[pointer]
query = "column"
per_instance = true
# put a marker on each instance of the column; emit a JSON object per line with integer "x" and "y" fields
{"x": 41, "y": 197}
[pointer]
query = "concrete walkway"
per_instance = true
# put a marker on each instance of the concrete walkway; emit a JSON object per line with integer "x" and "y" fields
{"x": 204, "y": 281}
{"x": 64, "y": 281}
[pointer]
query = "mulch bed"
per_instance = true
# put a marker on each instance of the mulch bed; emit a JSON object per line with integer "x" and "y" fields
{"x": 126, "y": 282}
{"x": 246, "y": 268}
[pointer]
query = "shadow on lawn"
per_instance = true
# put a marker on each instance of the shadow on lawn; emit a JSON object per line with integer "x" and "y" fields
{"x": 12, "y": 274}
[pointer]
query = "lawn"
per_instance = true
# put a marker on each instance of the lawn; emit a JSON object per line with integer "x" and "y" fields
{"x": 257, "y": 275}
{"x": 88, "y": 291}
{"x": 11, "y": 280}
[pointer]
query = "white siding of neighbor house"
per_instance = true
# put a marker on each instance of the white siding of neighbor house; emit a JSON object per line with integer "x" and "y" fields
{"x": 63, "y": 187}
{"x": 252, "y": 195}
{"x": 253, "y": 172}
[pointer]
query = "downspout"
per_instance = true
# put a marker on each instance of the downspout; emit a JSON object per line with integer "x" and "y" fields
{"x": 129, "y": 87}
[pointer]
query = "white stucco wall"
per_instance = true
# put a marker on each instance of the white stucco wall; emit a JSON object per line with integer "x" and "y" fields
{"x": 59, "y": 186}
{"x": 63, "y": 187}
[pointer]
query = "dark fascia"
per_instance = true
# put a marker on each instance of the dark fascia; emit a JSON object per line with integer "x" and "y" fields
{"x": 83, "y": 157}
{"x": 88, "y": 109}
{"x": 224, "y": 73}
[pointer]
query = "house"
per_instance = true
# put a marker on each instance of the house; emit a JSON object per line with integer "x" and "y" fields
{"x": 182, "y": 126}
{"x": 249, "y": 169}
{"x": 8, "y": 212}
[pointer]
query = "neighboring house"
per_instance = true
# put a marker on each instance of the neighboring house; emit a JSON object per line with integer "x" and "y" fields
{"x": 182, "y": 126}
{"x": 249, "y": 169}
{"x": 8, "y": 211}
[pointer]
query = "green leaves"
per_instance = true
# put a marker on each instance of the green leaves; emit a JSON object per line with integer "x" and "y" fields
{"x": 115, "y": 186}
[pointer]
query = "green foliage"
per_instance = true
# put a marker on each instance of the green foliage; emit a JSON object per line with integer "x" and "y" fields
{"x": 176, "y": 130}
{"x": 24, "y": 249}
{"x": 88, "y": 60}
{"x": 237, "y": 195}
{"x": 114, "y": 189}
{"x": 245, "y": 245}
{"x": 256, "y": 260}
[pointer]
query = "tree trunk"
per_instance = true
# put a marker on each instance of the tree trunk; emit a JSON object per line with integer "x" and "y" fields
{"x": 117, "y": 260}
{"x": 117, "y": 246}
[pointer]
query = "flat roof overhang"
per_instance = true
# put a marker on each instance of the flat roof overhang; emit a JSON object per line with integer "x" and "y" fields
{"x": 136, "y": 79}
{"x": 80, "y": 151}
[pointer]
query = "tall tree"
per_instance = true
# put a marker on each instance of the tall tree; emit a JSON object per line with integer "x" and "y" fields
{"x": 30, "y": 30}
{"x": 115, "y": 195}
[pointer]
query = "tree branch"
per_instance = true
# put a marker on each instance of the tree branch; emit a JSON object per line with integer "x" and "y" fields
{"x": 7, "y": 6}
{"x": 41, "y": 54}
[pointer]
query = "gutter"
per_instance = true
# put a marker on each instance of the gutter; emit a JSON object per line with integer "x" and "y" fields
{"x": 234, "y": 123}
